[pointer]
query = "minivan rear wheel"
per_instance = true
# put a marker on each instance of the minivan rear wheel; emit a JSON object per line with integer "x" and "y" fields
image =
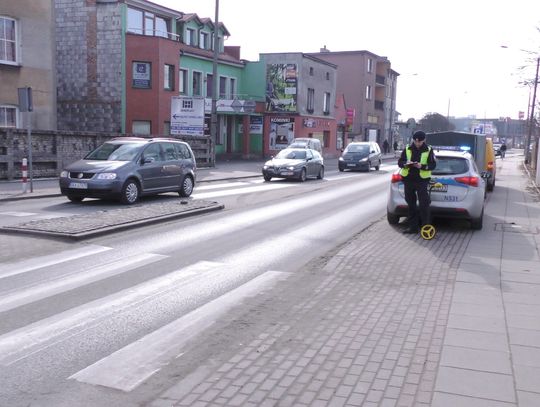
{"x": 187, "y": 187}
{"x": 130, "y": 192}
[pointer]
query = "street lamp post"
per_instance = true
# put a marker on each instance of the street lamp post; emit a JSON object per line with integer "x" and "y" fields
{"x": 213, "y": 116}
{"x": 531, "y": 118}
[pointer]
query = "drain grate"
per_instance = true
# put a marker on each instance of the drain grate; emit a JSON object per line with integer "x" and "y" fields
{"x": 515, "y": 228}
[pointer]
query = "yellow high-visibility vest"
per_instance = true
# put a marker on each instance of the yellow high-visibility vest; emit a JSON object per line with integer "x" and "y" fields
{"x": 426, "y": 174}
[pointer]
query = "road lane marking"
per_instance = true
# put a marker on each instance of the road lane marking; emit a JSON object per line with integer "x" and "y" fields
{"x": 18, "y": 214}
{"x": 63, "y": 283}
{"x": 12, "y": 269}
{"x": 128, "y": 367}
{"x": 40, "y": 335}
{"x": 238, "y": 191}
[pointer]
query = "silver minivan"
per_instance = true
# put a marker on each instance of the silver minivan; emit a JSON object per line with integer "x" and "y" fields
{"x": 360, "y": 155}
{"x": 126, "y": 168}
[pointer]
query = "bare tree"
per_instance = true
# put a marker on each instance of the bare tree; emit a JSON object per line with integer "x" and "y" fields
{"x": 435, "y": 122}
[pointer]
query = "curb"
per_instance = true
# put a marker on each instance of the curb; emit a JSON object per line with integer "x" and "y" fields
{"x": 110, "y": 229}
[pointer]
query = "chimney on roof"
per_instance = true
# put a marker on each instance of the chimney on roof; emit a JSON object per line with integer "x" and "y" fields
{"x": 324, "y": 49}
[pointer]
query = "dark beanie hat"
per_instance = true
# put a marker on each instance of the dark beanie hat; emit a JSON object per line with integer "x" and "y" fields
{"x": 419, "y": 135}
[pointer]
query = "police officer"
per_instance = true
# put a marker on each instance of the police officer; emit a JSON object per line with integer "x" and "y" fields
{"x": 416, "y": 162}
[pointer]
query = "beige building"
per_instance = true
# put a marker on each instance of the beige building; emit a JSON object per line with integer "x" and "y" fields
{"x": 27, "y": 49}
{"x": 369, "y": 85}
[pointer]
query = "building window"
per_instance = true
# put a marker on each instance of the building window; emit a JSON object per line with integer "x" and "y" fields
{"x": 233, "y": 88}
{"x": 326, "y": 103}
{"x": 209, "y": 85}
{"x": 196, "y": 84}
{"x": 8, "y": 116}
{"x": 369, "y": 65}
{"x": 182, "y": 87}
{"x": 222, "y": 87}
{"x": 310, "y": 100}
{"x": 190, "y": 36}
{"x": 141, "y": 127}
{"x": 8, "y": 40}
{"x": 144, "y": 22}
{"x": 311, "y": 71}
{"x": 368, "y": 92}
{"x": 203, "y": 40}
{"x": 168, "y": 77}
{"x": 142, "y": 77}
{"x": 327, "y": 76}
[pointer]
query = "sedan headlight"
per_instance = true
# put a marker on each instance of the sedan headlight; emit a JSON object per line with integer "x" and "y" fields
{"x": 64, "y": 174}
{"x": 291, "y": 168}
{"x": 363, "y": 160}
{"x": 265, "y": 167}
{"x": 106, "y": 175}
{"x": 340, "y": 159}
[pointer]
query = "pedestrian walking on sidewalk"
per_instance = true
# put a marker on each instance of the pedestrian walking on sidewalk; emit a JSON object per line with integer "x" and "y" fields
{"x": 416, "y": 162}
{"x": 503, "y": 150}
{"x": 386, "y": 146}
{"x": 395, "y": 148}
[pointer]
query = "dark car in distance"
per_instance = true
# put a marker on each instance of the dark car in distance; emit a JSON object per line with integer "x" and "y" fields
{"x": 296, "y": 163}
{"x": 126, "y": 168}
{"x": 361, "y": 155}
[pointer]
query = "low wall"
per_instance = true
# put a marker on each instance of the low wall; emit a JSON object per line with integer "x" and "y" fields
{"x": 52, "y": 150}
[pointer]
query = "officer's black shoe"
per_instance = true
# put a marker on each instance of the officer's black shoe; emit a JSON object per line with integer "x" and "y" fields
{"x": 410, "y": 231}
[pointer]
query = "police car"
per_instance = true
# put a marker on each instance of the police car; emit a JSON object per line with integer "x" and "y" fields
{"x": 457, "y": 190}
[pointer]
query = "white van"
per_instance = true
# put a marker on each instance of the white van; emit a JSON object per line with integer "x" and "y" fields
{"x": 307, "y": 142}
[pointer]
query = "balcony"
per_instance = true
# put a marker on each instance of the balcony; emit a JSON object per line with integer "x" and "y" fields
{"x": 379, "y": 105}
{"x": 380, "y": 80}
{"x": 154, "y": 33}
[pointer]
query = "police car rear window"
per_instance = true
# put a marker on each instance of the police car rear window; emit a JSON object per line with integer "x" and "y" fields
{"x": 450, "y": 166}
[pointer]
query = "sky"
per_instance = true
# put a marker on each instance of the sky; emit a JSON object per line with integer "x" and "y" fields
{"x": 448, "y": 53}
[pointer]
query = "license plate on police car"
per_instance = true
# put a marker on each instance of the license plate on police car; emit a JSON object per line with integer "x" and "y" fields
{"x": 440, "y": 188}
{"x": 78, "y": 185}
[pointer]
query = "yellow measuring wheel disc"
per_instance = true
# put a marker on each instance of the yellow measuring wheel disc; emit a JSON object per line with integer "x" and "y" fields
{"x": 427, "y": 232}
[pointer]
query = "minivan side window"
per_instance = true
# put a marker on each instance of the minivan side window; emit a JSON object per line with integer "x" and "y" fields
{"x": 153, "y": 151}
{"x": 183, "y": 151}
{"x": 170, "y": 151}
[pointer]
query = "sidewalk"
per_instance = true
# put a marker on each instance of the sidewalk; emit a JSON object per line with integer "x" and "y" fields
{"x": 394, "y": 320}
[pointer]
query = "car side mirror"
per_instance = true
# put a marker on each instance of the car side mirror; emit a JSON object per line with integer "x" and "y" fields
{"x": 372, "y": 151}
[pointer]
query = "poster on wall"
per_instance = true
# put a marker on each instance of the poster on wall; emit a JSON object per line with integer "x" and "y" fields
{"x": 281, "y": 132}
{"x": 281, "y": 81}
{"x": 141, "y": 75}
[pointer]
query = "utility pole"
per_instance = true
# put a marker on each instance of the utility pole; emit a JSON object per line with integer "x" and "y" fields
{"x": 213, "y": 117}
{"x": 531, "y": 118}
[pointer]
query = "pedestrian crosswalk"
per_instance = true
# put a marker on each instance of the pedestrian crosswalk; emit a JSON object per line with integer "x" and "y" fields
{"x": 183, "y": 301}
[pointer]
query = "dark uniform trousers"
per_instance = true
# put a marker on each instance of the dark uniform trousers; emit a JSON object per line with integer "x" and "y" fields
{"x": 418, "y": 215}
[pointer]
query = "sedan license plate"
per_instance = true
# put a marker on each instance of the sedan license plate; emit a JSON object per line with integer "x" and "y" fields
{"x": 287, "y": 173}
{"x": 351, "y": 165}
{"x": 78, "y": 185}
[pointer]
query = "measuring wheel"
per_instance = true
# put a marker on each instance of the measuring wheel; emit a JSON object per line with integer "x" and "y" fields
{"x": 428, "y": 232}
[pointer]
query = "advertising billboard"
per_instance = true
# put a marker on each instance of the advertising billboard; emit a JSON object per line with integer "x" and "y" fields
{"x": 281, "y": 91}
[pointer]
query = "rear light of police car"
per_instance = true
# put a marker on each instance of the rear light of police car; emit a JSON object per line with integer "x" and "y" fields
{"x": 396, "y": 178}
{"x": 472, "y": 181}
